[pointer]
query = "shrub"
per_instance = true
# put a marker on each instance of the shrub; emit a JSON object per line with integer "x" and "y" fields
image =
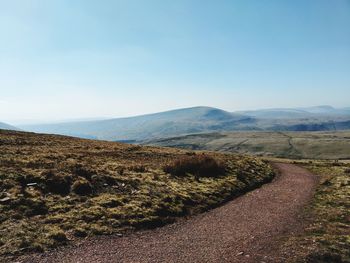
{"x": 120, "y": 170}
{"x": 57, "y": 235}
{"x": 138, "y": 168}
{"x": 58, "y": 184}
{"x": 80, "y": 232}
{"x": 198, "y": 165}
{"x": 35, "y": 207}
{"x": 319, "y": 257}
{"x": 79, "y": 170}
{"x": 336, "y": 163}
{"x": 82, "y": 187}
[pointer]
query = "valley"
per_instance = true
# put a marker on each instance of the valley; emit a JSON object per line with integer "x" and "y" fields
{"x": 293, "y": 145}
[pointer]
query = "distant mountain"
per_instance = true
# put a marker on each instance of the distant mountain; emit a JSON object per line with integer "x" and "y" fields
{"x": 201, "y": 120}
{"x": 323, "y": 109}
{"x": 5, "y": 126}
{"x": 328, "y": 110}
{"x": 164, "y": 124}
{"x": 277, "y": 113}
{"x": 298, "y": 113}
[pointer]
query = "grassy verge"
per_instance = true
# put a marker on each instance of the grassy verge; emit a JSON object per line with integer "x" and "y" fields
{"x": 55, "y": 190}
{"x": 327, "y": 236}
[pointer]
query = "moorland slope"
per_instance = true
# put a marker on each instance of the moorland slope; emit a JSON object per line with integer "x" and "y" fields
{"x": 247, "y": 229}
{"x": 56, "y": 189}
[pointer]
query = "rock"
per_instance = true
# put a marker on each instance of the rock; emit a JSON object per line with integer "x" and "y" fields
{"x": 240, "y": 253}
{"x": 119, "y": 235}
{"x": 5, "y": 200}
{"x": 31, "y": 184}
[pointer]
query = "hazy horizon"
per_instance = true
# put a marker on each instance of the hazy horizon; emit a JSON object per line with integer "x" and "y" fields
{"x": 64, "y": 60}
{"x": 25, "y": 122}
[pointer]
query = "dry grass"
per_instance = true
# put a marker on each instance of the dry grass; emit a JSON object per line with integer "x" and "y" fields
{"x": 55, "y": 189}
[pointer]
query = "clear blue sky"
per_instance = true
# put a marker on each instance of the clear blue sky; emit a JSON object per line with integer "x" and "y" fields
{"x": 63, "y": 59}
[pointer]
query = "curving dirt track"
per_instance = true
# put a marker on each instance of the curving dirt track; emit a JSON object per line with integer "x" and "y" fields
{"x": 247, "y": 229}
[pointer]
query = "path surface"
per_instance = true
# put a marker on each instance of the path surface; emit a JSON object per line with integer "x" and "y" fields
{"x": 247, "y": 229}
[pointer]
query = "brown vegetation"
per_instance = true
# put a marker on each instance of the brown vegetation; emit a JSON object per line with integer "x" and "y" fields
{"x": 198, "y": 165}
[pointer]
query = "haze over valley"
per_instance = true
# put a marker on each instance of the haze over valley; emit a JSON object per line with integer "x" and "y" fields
{"x": 201, "y": 120}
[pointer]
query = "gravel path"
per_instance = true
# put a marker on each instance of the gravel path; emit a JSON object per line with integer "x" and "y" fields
{"x": 247, "y": 229}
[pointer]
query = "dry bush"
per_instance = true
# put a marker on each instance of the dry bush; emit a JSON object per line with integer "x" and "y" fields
{"x": 138, "y": 168}
{"x": 79, "y": 170}
{"x": 198, "y": 165}
{"x": 321, "y": 257}
{"x": 56, "y": 183}
{"x": 82, "y": 187}
{"x": 57, "y": 235}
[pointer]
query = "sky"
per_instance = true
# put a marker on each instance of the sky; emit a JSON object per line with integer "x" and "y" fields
{"x": 63, "y": 59}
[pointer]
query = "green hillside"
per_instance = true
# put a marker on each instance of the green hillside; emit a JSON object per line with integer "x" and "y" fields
{"x": 304, "y": 145}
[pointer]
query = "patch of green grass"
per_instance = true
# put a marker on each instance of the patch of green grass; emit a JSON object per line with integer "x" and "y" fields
{"x": 297, "y": 145}
{"x": 327, "y": 236}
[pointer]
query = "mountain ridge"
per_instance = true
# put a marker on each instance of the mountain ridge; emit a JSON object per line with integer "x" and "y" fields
{"x": 201, "y": 119}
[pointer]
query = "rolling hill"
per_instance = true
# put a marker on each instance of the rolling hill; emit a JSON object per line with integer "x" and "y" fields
{"x": 298, "y": 113}
{"x": 201, "y": 120}
{"x": 169, "y": 123}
